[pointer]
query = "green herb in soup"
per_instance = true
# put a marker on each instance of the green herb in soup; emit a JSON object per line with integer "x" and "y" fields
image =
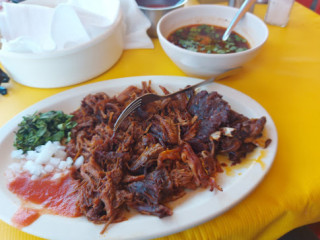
{"x": 207, "y": 39}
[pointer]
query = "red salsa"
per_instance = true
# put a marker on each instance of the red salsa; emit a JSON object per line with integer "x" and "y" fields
{"x": 25, "y": 216}
{"x": 206, "y": 38}
{"x": 56, "y": 196}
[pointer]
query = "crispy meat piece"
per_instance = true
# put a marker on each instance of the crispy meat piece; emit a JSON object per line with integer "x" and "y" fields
{"x": 182, "y": 178}
{"x": 92, "y": 173}
{"x": 153, "y": 188}
{"x": 200, "y": 176}
{"x": 170, "y": 154}
{"x": 157, "y": 153}
{"x": 211, "y": 110}
{"x": 157, "y": 210}
{"x": 149, "y": 154}
{"x": 243, "y": 140}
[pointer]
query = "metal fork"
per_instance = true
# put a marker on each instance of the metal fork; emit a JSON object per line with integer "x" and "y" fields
{"x": 151, "y": 97}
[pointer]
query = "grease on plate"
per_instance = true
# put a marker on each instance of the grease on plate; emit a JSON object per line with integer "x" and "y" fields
{"x": 232, "y": 170}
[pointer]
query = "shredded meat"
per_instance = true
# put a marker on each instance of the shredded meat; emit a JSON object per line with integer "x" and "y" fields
{"x": 157, "y": 153}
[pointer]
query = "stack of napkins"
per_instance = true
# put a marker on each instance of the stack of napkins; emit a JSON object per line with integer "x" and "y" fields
{"x": 37, "y": 26}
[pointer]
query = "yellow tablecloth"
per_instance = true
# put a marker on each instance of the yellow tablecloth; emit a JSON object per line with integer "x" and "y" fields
{"x": 285, "y": 79}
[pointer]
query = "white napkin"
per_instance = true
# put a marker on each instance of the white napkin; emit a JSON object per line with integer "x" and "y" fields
{"x": 53, "y": 25}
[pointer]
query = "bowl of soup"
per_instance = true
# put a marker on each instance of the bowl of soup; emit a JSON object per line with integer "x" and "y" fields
{"x": 192, "y": 38}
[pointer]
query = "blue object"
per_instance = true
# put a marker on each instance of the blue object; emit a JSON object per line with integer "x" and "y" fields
{"x": 17, "y": 1}
{"x": 3, "y": 90}
{"x": 4, "y": 78}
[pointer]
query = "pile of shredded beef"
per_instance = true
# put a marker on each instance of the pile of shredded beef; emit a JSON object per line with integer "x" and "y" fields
{"x": 157, "y": 153}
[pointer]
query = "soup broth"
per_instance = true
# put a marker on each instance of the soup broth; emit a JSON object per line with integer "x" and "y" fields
{"x": 206, "y": 38}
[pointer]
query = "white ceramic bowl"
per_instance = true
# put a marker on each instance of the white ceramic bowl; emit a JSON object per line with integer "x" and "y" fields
{"x": 204, "y": 64}
{"x": 70, "y": 66}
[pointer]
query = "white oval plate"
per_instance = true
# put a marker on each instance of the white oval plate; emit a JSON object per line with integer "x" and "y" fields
{"x": 196, "y": 208}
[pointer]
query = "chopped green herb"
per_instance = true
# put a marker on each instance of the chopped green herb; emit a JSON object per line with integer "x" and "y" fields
{"x": 233, "y": 48}
{"x": 207, "y": 39}
{"x": 190, "y": 45}
{"x": 39, "y": 128}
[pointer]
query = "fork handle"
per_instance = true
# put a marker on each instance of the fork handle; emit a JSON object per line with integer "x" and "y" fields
{"x": 210, "y": 80}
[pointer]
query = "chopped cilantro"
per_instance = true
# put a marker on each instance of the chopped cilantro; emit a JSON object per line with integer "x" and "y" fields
{"x": 39, "y": 128}
{"x": 207, "y": 39}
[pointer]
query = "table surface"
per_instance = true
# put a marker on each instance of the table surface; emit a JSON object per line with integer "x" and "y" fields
{"x": 285, "y": 79}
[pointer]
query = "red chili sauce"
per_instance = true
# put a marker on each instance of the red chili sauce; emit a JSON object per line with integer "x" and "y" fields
{"x": 57, "y": 196}
{"x": 25, "y": 216}
{"x": 206, "y": 38}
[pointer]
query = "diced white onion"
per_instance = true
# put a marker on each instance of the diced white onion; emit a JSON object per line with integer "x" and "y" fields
{"x": 60, "y": 154}
{"x": 48, "y": 158}
{"x": 63, "y": 165}
{"x": 48, "y": 168}
{"x": 56, "y": 176}
{"x": 32, "y": 155}
{"x": 33, "y": 168}
{"x": 54, "y": 161}
{"x": 47, "y": 152}
{"x": 79, "y": 161}
{"x": 69, "y": 161}
{"x": 17, "y": 154}
{"x": 34, "y": 177}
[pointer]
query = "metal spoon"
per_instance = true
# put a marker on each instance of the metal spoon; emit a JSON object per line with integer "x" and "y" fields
{"x": 246, "y": 5}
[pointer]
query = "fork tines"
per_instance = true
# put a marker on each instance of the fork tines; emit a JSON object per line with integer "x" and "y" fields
{"x": 129, "y": 109}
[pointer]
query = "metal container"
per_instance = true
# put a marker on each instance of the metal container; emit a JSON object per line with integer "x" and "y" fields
{"x": 238, "y": 4}
{"x": 155, "y": 9}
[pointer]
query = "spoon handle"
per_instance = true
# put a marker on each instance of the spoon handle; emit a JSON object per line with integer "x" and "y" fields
{"x": 242, "y": 10}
